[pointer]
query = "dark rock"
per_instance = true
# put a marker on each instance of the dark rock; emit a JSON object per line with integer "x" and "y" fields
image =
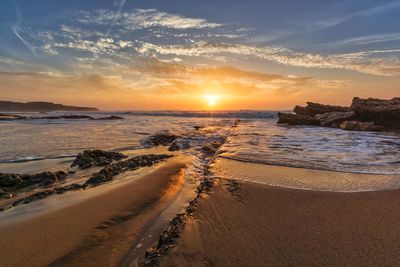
{"x": 313, "y": 109}
{"x": 107, "y": 173}
{"x": 163, "y": 138}
{"x": 90, "y": 158}
{"x": 360, "y": 126}
{"x": 296, "y": 119}
{"x": 18, "y": 181}
{"x": 175, "y": 146}
{"x": 66, "y": 117}
{"x": 104, "y": 175}
{"x": 198, "y": 127}
{"x": 9, "y": 180}
{"x": 212, "y": 147}
{"x": 179, "y": 144}
{"x": 330, "y": 118}
{"x": 383, "y": 112}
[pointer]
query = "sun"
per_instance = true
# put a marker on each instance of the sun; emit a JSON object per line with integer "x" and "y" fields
{"x": 211, "y": 100}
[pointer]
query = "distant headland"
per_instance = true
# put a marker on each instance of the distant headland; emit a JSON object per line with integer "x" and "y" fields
{"x": 39, "y": 107}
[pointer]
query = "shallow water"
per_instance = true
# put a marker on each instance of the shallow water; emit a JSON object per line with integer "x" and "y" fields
{"x": 257, "y": 140}
{"x": 262, "y": 141}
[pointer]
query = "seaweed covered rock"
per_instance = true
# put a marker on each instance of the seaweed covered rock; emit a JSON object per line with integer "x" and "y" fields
{"x": 180, "y": 144}
{"x": 12, "y": 181}
{"x": 107, "y": 173}
{"x": 163, "y": 138}
{"x": 212, "y": 147}
{"x": 90, "y": 158}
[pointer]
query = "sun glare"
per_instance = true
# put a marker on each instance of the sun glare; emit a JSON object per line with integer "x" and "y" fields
{"x": 211, "y": 100}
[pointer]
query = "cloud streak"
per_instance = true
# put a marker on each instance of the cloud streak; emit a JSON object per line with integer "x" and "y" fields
{"x": 120, "y": 4}
{"x": 17, "y": 29}
{"x": 143, "y": 19}
{"x": 376, "y": 62}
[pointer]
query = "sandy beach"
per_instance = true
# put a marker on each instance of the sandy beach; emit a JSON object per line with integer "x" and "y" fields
{"x": 250, "y": 224}
{"x": 98, "y": 229}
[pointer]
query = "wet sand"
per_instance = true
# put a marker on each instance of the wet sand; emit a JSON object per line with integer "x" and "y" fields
{"x": 95, "y": 231}
{"x": 259, "y": 225}
{"x": 301, "y": 178}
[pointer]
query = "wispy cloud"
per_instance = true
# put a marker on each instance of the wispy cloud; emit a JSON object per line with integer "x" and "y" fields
{"x": 376, "y": 62}
{"x": 142, "y": 19}
{"x": 365, "y": 40}
{"x": 380, "y": 8}
{"x": 17, "y": 29}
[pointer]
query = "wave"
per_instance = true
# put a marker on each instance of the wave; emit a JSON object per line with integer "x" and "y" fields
{"x": 310, "y": 165}
{"x": 35, "y": 158}
{"x": 209, "y": 114}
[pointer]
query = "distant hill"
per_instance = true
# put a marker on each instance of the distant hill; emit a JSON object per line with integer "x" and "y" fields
{"x": 39, "y": 107}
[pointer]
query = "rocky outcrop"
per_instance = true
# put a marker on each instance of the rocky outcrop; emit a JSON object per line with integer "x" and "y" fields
{"x": 384, "y": 113}
{"x": 90, "y": 158}
{"x": 12, "y": 181}
{"x": 296, "y": 119}
{"x": 313, "y": 109}
{"x": 107, "y": 173}
{"x": 334, "y": 119}
{"x": 163, "y": 138}
{"x": 360, "y": 126}
{"x": 364, "y": 115}
{"x": 44, "y": 194}
{"x": 104, "y": 175}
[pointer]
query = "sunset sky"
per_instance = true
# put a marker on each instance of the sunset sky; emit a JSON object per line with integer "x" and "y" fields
{"x": 198, "y": 54}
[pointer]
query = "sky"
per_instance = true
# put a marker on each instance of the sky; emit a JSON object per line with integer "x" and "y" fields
{"x": 198, "y": 54}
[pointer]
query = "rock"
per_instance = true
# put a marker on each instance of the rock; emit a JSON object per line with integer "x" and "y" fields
{"x": 383, "y": 112}
{"x": 212, "y": 147}
{"x": 360, "y": 126}
{"x": 198, "y": 127}
{"x": 90, "y": 158}
{"x": 9, "y": 180}
{"x": 18, "y": 181}
{"x": 330, "y": 118}
{"x": 163, "y": 138}
{"x": 179, "y": 144}
{"x": 66, "y": 117}
{"x": 296, "y": 119}
{"x": 107, "y": 173}
{"x": 313, "y": 109}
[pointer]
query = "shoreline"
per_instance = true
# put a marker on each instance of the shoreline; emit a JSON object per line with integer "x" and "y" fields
{"x": 303, "y": 178}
